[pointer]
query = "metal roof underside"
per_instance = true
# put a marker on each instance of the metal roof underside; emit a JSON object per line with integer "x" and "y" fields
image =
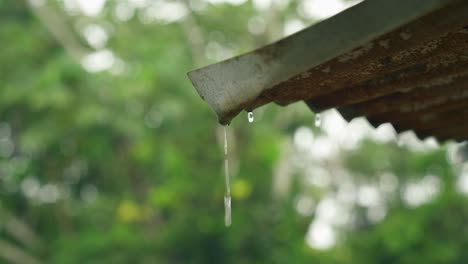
{"x": 402, "y": 62}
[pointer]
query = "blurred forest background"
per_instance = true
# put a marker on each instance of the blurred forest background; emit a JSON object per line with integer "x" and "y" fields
{"x": 108, "y": 154}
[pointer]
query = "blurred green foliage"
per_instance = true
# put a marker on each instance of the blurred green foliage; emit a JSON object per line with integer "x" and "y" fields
{"x": 124, "y": 165}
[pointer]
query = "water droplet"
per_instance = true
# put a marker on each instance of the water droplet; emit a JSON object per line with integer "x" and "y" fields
{"x": 227, "y": 196}
{"x": 250, "y": 117}
{"x": 318, "y": 120}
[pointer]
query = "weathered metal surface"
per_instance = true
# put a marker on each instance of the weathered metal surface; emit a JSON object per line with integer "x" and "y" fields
{"x": 403, "y": 62}
{"x": 240, "y": 83}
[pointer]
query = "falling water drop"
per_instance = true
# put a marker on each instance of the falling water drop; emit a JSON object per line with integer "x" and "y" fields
{"x": 250, "y": 117}
{"x": 318, "y": 119}
{"x": 227, "y": 195}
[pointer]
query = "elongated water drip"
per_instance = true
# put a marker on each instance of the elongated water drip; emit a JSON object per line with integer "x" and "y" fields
{"x": 227, "y": 210}
{"x": 318, "y": 120}
{"x": 250, "y": 117}
{"x": 227, "y": 195}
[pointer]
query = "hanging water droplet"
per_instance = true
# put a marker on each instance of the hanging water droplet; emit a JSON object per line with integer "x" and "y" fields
{"x": 227, "y": 196}
{"x": 250, "y": 117}
{"x": 318, "y": 120}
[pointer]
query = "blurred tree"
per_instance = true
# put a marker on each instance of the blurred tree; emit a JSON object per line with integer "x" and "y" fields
{"x": 108, "y": 155}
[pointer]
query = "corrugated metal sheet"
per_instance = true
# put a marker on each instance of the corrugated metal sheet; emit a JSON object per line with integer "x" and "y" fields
{"x": 413, "y": 76}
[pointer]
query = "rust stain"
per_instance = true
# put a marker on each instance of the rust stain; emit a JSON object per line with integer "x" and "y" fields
{"x": 415, "y": 77}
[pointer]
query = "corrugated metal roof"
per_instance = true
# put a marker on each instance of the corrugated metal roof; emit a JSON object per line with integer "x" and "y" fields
{"x": 413, "y": 75}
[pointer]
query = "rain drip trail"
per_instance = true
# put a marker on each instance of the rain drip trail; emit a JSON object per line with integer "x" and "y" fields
{"x": 318, "y": 119}
{"x": 227, "y": 195}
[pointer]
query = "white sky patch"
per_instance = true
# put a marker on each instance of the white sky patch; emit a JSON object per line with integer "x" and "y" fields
{"x": 303, "y": 138}
{"x": 453, "y": 153}
{"x": 322, "y": 9}
{"x": 256, "y": 25}
{"x": 418, "y": 193}
{"x": 171, "y": 12}
{"x": 164, "y": 12}
{"x": 118, "y": 68}
{"x": 334, "y": 124}
{"x": 357, "y": 130}
{"x": 217, "y": 52}
{"x": 349, "y": 135}
{"x": 36, "y": 3}
{"x": 292, "y": 26}
{"x": 281, "y": 4}
{"x": 138, "y": 3}
{"x": 321, "y": 235}
{"x": 232, "y": 2}
{"x": 368, "y": 195}
{"x": 331, "y": 211}
{"x": 323, "y": 148}
{"x": 95, "y": 35}
{"x": 384, "y": 133}
{"x": 346, "y": 135}
{"x": 262, "y": 5}
{"x": 411, "y": 141}
{"x": 462, "y": 181}
{"x": 197, "y": 5}
{"x": 318, "y": 176}
{"x": 124, "y": 11}
{"x": 431, "y": 143}
{"x": 90, "y": 7}
{"x": 376, "y": 213}
{"x": 71, "y": 6}
{"x": 327, "y": 209}
{"x": 347, "y": 192}
{"x": 98, "y": 61}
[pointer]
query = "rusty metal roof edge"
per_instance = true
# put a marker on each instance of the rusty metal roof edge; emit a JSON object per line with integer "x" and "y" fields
{"x": 229, "y": 86}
